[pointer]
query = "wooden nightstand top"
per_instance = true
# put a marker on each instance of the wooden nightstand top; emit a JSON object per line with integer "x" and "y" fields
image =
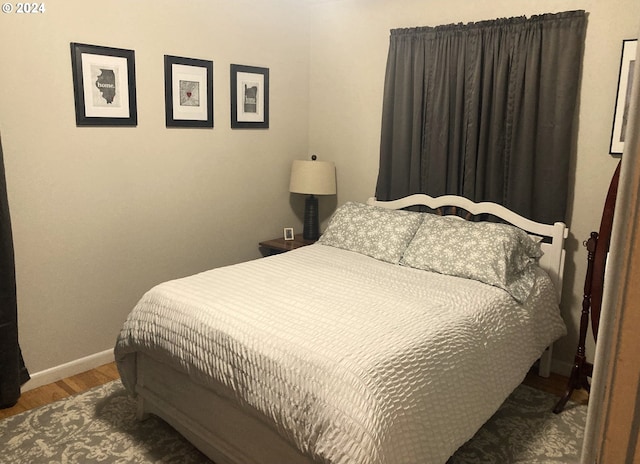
{"x": 280, "y": 245}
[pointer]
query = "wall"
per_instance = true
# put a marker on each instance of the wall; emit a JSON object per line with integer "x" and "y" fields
{"x": 349, "y": 44}
{"x": 102, "y": 214}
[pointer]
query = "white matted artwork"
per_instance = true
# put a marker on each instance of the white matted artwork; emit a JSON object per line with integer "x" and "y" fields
{"x": 104, "y": 85}
{"x": 108, "y": 92}
{"x": 189, "y": 85}
{"x": 249, "y": 97}
{"x": 188, "y": 92}
{"x": 625, "y": 80}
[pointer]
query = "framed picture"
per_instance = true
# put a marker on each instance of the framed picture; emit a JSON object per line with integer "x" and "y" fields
{"x": 104, "y": 85}
{"x": 188, "y": 92}
{"x": 625, "y": 80}
{"x": 288, "y": 233}
{"x": 249, "y": 97}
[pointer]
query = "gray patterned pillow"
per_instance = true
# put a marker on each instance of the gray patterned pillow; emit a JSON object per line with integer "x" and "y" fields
{"x": 496, "y": 254}
{"x": 371, "y": 230}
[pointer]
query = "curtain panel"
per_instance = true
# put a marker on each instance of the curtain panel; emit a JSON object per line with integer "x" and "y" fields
{"x": 12, "y": 369}
{"x": 485, "y": 110}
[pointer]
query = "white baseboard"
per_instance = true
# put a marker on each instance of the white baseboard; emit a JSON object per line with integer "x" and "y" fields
{"x": 98, "y": 359}
{"x": 68, "y": 369}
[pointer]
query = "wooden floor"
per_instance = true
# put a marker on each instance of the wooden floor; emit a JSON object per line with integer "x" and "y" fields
{"x": 46, "y": 394}
{"x": 62, "y": 388}
{"x": 555, "y": 384}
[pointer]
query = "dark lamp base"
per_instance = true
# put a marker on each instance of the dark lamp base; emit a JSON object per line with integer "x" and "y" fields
{"x": 311, "y": 228}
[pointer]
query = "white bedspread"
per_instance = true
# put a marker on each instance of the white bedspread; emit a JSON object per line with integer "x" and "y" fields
{"x": 355, "y": 360}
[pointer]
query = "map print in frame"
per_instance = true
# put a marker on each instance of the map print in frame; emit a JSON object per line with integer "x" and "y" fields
{"x": 249, "y": 97}
{"x": 189, "y": 93}
{"x": 104, "y": 85}
{"x": 188, "y": 88}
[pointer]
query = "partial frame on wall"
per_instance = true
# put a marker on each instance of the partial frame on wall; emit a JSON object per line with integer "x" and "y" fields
{"x": 625, "y": 79}
{"x": 104, "y": 85}
{"x": 188, "y": 92}
{"x": 249, "y": 97}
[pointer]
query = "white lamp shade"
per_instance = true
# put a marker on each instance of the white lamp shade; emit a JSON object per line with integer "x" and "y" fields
{"x": 313, "y": 177}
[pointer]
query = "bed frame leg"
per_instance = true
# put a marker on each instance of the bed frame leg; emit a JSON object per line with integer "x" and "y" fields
{"x": 141, "y": 414}
{"x": 544, "y": 369}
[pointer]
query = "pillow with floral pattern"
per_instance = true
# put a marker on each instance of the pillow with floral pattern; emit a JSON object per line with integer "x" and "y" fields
{"x": 371, "y": 230}
{"x": 496, "y": 254}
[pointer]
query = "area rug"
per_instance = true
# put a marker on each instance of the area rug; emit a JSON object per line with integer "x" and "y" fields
{"x": 100, "y": 426}
{"x": 525, "y": 430}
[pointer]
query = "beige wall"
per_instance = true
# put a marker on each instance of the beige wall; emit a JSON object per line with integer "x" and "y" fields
{"x": 349, "y": 43}
{"x": 102, "y": 214}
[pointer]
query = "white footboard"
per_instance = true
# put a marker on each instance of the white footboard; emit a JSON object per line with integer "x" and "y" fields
{"x": 220, "y": 429}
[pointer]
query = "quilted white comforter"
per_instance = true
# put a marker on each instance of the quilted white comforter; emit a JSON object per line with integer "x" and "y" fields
{"x": 353, "y": 359}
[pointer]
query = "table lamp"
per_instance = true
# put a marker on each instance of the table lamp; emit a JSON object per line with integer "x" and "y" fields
{"x": 312, "y": 178}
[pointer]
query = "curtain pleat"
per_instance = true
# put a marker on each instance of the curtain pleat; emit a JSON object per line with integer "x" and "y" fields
{"x": 485, "y": 110}
{"x": 405, "y": 68}
{"x": 13, "y": 372}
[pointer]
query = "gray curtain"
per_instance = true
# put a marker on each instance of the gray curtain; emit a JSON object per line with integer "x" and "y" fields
{"x": 484, "y": 110}
{"x": 12, "y": 370}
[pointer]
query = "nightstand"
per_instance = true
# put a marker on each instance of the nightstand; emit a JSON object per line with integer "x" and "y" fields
{"x": 280, "y": 245}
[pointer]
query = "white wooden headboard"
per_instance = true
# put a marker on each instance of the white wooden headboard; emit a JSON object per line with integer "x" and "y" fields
{"x": 554, "y": 234}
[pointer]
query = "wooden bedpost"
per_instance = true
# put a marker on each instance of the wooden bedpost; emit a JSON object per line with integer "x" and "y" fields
{"x": 581, "y": 368}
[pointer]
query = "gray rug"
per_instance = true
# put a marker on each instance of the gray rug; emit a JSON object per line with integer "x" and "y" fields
{"x": 524, "y": 430}
{"x": 100, "y": 426}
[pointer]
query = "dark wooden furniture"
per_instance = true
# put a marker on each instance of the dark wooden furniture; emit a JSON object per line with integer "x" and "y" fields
{"x": 280, "y": 245}
{"x": 597, "y": 250}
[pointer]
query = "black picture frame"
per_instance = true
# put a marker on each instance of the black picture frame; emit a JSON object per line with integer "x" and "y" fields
{"x": 104, "y": 85}
{"x": 621, "y": 111}
{"x": 249, "y": 97}
{"x": 186, "y": 81}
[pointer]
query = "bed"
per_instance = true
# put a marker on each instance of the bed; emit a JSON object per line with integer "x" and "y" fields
{"x": 391, "y": 340}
